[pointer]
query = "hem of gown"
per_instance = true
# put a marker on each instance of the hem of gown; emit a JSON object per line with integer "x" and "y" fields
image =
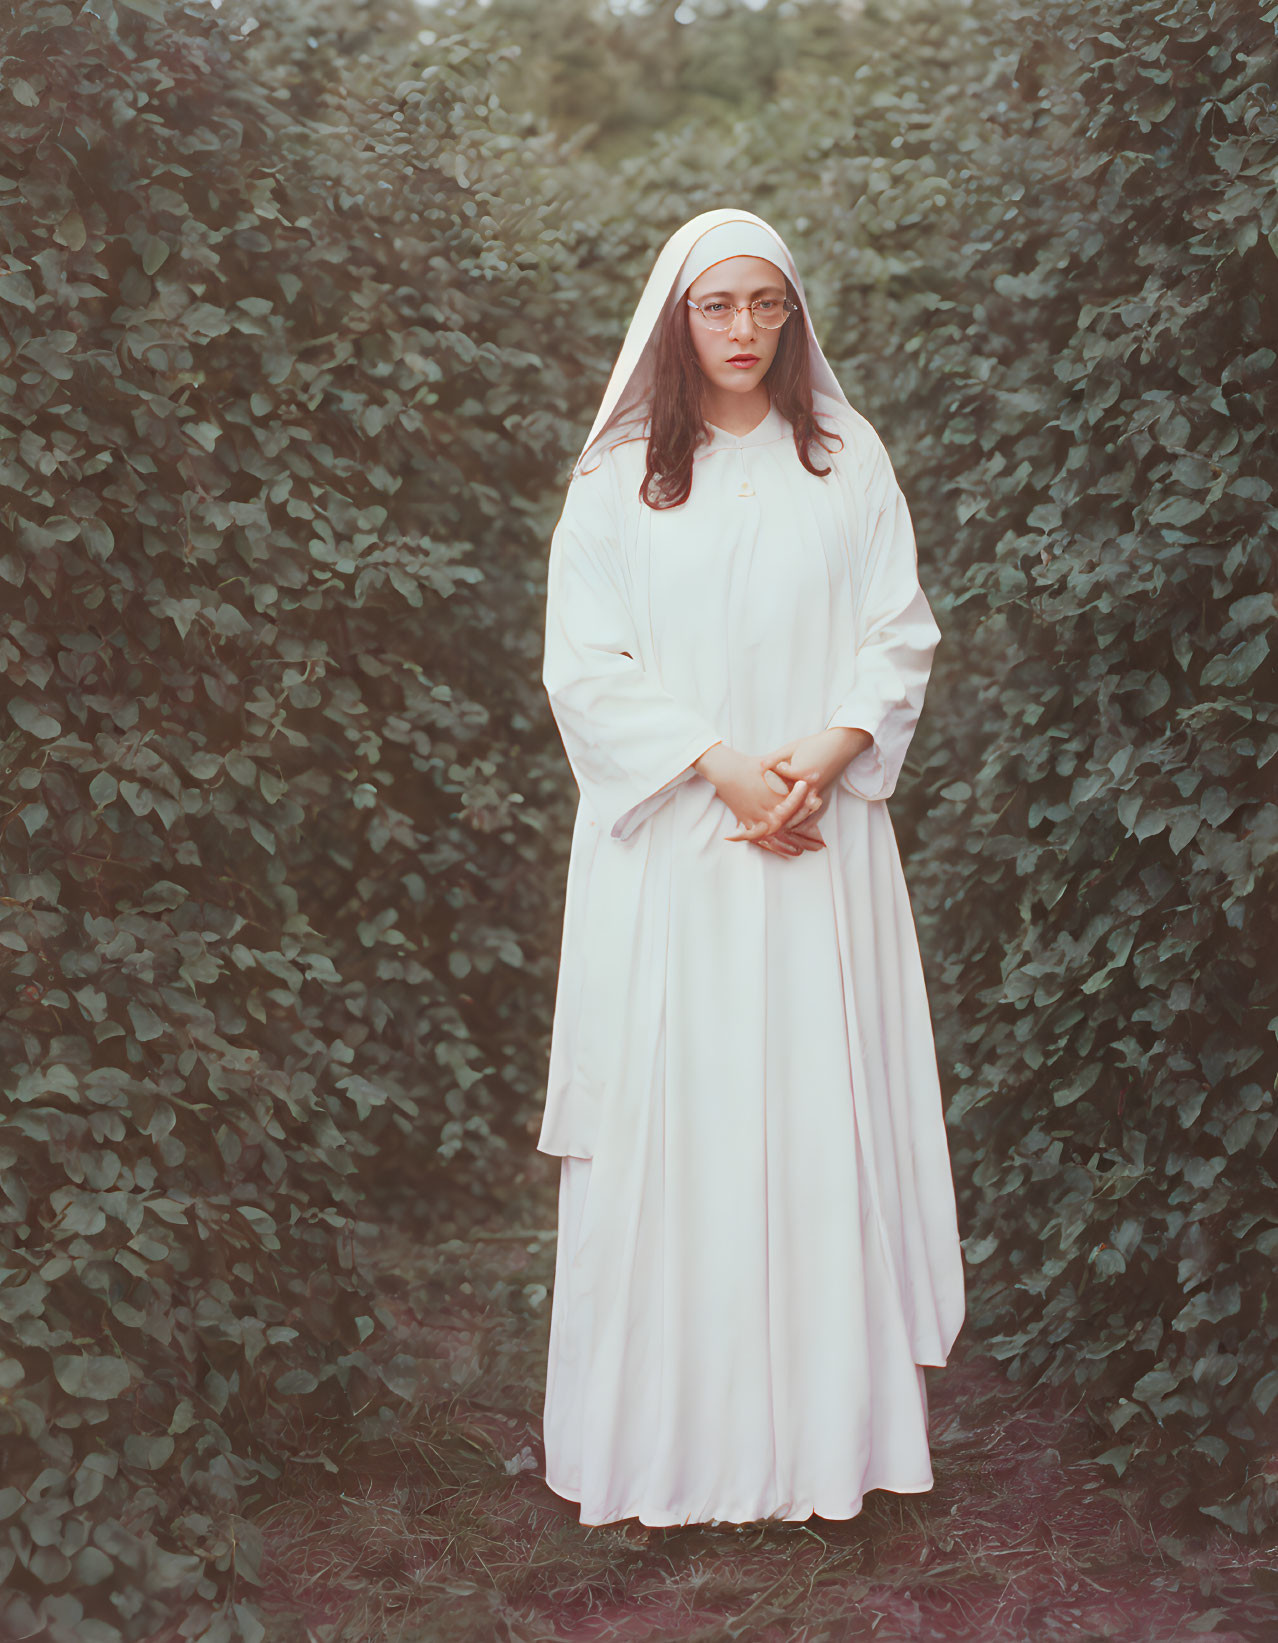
{"x": 768, "y": 1517}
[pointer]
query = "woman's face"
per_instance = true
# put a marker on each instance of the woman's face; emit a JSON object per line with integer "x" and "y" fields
{"x": 753, "y": 347}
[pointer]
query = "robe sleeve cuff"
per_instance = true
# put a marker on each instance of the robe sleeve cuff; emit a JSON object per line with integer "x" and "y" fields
{"x": 866, "y": 774}
{"x": 629, "y": 819}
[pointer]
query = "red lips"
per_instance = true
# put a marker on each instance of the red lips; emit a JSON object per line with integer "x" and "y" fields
{"x": 744, "y": 359}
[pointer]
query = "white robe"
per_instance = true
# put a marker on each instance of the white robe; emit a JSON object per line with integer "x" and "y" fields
{"x": 757, "y": 1245}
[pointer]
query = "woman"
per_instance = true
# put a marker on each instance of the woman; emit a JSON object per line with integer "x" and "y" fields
{"x": 758, "y": 1248}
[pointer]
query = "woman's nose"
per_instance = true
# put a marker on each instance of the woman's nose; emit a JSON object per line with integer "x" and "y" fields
{"x": 743, "y": 324}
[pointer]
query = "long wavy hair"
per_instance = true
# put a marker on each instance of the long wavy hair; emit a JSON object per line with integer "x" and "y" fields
{"x": 677, "y": 418}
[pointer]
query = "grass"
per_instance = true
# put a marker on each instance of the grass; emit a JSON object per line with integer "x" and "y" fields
{"x": 439, "y": 1528}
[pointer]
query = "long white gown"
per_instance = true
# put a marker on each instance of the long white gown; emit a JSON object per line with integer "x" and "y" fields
{"x": 757, "y": 1246}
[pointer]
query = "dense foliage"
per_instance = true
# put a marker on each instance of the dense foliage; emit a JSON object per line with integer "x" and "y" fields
{"x": 301, "y": 313}
{"x": 270, "y": 804}
{"x": 1100, "y": 866}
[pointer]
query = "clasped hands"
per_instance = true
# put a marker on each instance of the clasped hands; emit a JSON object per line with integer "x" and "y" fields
{"x": 806, "y": 767}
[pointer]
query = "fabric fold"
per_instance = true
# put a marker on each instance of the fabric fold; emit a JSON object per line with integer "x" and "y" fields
{"x": 896, "y": 635}
{"x": 629, "y": 742}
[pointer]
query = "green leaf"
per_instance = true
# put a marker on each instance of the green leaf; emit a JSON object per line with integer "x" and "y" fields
{"x": 1239, "y": 665}
{"x": 1117, "y": 1457}
{"x": 17, "y": 289}
{"x": 1265, "y": 1391}
{"x": 979, "y": 1249}
{"x": 98, "y": 537}
{"x": 34, "y": 719}
{"x": 91, "y": 1565}
{"x": 139, "y": 799}
{"x": 147, "y": 1452}
{"x": 1255, "y": 607}
{"x": 155, "y": 252}
{"x": 92, "y": 1377}
{"x": 1235, "y": 1514}
{"x": 1156, "y": 1384}
{"x": 71, "y": 231}
{"x": 296, "y": 1381}
{"x": 242, "y": 769}
{"x": 205, "y": 434}
{"x": 146, "y": 1024}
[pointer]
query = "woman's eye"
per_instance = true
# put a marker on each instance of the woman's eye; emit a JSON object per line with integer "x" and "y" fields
{"x": 715, "y": 307}
{"x": 767, "y": 305}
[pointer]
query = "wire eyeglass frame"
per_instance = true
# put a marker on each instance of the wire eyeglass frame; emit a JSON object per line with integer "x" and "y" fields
{"x": 787, "y": 308}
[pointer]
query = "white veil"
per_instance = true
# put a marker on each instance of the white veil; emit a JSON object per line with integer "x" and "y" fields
{"x": 679, "y": 262}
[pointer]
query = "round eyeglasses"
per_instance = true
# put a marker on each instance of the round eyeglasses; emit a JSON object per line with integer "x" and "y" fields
{"x": 769, "y": 312}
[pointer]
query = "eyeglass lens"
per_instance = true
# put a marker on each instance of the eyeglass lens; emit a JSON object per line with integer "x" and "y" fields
{"x": 767, "y": 311}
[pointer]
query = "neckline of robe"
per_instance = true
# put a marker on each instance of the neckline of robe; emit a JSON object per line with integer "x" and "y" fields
{"x": 773, "y": 427}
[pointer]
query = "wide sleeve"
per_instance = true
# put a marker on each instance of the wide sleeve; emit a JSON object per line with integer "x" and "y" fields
{"x": 896, "y": 636}
{"x": 630, "y": 744}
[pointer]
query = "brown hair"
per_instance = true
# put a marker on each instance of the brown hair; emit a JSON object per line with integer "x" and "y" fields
{"x": 677, "y": 423}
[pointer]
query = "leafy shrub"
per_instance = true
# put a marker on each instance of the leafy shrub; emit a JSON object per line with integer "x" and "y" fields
{"x": 1098, "y": 859}
{"x": 271, "y": 408}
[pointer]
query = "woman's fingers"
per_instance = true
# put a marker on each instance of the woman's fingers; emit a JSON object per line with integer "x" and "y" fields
{"x": 795, "y": 840}
{"x": 812, "y": 802}
{"x": 797, "y": 803}
{"x": 804, "y": 833}
{"x": 798, "y": 835}
{"x": 752, "y": 832}
{"x": 785, "y": 767}
{"x": 785, "y": 751}
{"x": 782, "y": 829}
{"x": 794, "y": 803}
{"x": 777, "y": 846}
{"x": 776, "y": 819}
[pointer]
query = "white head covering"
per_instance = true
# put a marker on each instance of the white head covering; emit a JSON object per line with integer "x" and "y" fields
{"x": 690, "y": 250}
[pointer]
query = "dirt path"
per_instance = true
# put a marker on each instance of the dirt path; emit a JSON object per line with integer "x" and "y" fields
{"x": 442, "y": 1530}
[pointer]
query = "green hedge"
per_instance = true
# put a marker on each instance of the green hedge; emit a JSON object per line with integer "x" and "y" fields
{"x": 275, "y": 765}
{"x": 1097, "y": 870}
{"x": 295, "y": 349}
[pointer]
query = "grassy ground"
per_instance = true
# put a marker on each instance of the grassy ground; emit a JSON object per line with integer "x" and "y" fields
{"x": 443, "y": 1531}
